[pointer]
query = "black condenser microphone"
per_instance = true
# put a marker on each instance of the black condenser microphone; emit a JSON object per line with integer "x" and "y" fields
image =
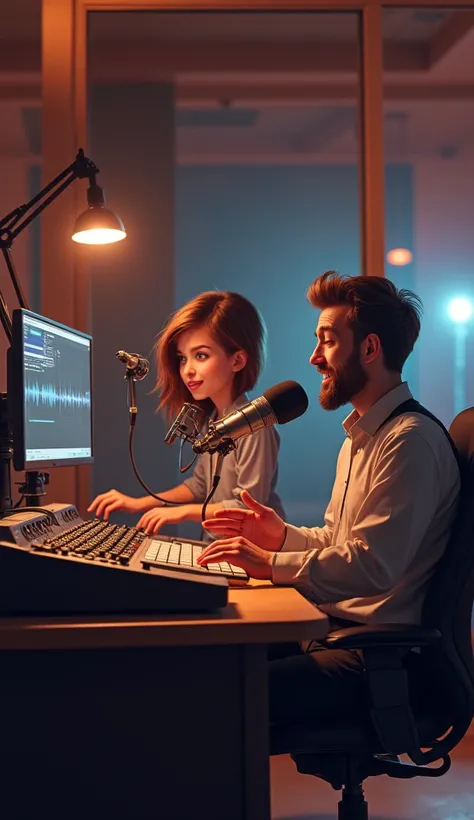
{"x": 137, "y": 365}
{"x": 281, "y": 403}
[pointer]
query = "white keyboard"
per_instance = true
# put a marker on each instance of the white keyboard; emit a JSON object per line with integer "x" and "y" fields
{"x": 184, "y": 555}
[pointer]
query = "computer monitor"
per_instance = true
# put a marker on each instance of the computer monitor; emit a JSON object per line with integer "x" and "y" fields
{"x": 49, "y": 393}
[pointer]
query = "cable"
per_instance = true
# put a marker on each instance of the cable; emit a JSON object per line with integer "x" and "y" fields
{"x": 188, "y": 466}
{"x": 133, "y": 417}
{"x": 215, "y": 482}
{"x": 137, "y": 475}
{"x": 34, "y": 509}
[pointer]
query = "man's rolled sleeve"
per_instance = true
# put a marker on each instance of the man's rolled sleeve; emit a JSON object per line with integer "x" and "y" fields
{"x": 291, "y": 568}
{"x": 299, "y": 539}
{"x": 295, "y": 539}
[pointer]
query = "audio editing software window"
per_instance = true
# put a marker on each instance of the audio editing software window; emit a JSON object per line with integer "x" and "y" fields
{"x": 57, "y": 392}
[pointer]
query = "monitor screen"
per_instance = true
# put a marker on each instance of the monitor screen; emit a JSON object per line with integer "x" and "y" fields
{"x": 49, "y": 393}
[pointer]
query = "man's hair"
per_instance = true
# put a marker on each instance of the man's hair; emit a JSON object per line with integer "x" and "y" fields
{"x": 375, "y": 306}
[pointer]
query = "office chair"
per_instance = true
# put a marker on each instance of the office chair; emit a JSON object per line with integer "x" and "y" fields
{"x": 345, "y": 754}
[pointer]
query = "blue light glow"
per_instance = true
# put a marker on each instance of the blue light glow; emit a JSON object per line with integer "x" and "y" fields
{"x": 460, "y": 310}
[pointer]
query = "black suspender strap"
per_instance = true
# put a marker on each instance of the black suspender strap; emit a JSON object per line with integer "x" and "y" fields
{"x": 414, "y": 406}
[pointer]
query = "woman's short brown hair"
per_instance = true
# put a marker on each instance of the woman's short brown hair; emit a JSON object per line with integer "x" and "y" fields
{"x": 234, "y": 323}
{"x": 376, "y": 306}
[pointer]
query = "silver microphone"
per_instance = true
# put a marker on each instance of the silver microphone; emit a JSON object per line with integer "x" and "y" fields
{"x": 281, "y": 403}
{"x": 186, "y": 424}
{"x": 137, "y": 365}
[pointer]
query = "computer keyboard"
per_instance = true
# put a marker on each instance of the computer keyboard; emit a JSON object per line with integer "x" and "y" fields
{"x": 177, "y": 554}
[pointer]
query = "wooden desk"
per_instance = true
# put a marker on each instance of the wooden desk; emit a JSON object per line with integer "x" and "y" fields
{"x": 139, "y": 719}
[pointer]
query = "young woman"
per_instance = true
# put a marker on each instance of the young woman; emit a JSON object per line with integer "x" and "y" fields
{"x": 210, "y": 353}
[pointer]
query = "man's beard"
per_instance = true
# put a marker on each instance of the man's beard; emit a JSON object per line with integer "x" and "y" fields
{"x": 344, "y": 383}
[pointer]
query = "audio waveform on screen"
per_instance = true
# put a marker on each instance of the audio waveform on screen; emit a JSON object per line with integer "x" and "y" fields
{"x": 49, "y": 395}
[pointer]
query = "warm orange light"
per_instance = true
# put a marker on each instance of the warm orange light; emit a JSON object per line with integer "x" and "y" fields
{"x": 98, "y": 236}
{"x": 399, "y": 256}
{"x": 98, "y": 226}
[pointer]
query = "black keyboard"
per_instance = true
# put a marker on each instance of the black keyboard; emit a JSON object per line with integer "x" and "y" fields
{"x": 94, "y": 540}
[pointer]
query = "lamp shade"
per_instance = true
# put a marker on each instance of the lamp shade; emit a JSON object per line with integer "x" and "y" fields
{"x": 98, "y": 226}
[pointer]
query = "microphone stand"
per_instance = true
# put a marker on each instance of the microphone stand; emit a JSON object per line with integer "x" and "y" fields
{"x": 132, "y": 401}
{"x": 135, "y": 373}
{"x": 215, "y": 480}
{"x": 186, "y": 428}
{"x": 181, "y": 428}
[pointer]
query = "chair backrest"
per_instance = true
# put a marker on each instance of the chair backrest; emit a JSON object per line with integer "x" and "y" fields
{"x": 449, "y": 603}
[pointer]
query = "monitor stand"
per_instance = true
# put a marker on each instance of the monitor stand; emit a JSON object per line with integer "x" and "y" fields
{"x": 33, "y": 488}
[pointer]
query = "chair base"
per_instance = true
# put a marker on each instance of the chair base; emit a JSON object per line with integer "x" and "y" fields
{"x": 353, "y": 806}
{"x": 348, "y": 772}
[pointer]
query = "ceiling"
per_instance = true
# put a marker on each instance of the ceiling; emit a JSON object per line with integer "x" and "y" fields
{"x": 263, "y": 87}
{"x": 403, "y": 24}
{"x": 21, "y": 19}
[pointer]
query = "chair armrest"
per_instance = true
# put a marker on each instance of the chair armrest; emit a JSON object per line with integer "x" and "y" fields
{"x": 383, "y": 636}
{"x": 383, "y": 649}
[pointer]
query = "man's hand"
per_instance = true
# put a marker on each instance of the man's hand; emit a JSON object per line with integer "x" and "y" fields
{"x": 153, "y": 520}
{"x": 240, "y": 551}
{"x": 258, "y": 524}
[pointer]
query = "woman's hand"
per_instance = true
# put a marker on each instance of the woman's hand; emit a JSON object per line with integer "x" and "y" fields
{"x": 153, "y": 520}
{"x": 112, "y": 500}
{"x": 258, "y": 524}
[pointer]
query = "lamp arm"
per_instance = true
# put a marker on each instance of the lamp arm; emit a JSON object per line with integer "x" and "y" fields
{"x": 5, "y": 318}
{"x": 81, "y": 168}
{"x": 11, "y": 235}
{"x": 13, "y": 276}
{"x": 17, "y": 220}
{"x": 7, "y": 236}
{"x": 8, "y": 221}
